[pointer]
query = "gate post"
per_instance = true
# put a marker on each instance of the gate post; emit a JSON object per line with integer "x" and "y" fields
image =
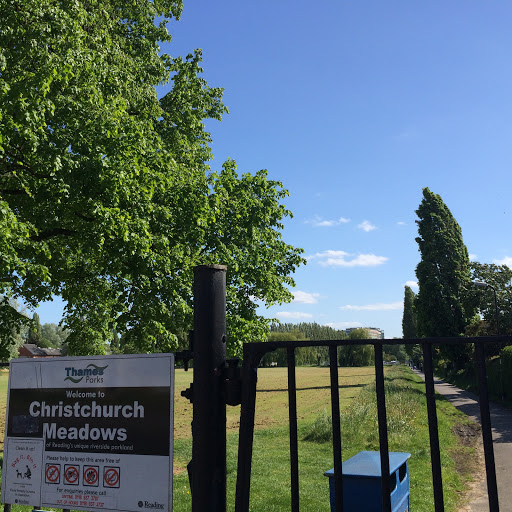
{"x": 208, "y": 482}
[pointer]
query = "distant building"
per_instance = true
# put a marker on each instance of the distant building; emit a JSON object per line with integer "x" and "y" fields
{"x": 373, "y": 332}
{"x": 32, "y": 350}
{"x": 376, "y": 333}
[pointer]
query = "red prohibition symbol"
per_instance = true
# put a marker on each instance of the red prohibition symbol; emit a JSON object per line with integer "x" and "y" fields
{"x": 52, "y": 474}
{"x": 91, "y": 475}
{"x": 111, "y": 477}
{"x": 71, "y": 475}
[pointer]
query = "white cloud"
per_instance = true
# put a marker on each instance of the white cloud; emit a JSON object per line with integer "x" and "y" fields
{"x": 318, "y": 221}
{"x": 507, "y": 260}
{"x": 401, "y": 223}
{"x": 472, "y": 257}
{"x": 374, "y": 307}
{"x": 293, "y": 315}
{"x": 305, "y": 297}
{"x": 366, "y": 226}
{"x": 344, "y": 259}
{"x": 343, "y": 325}
{"x": 412, "y": 284}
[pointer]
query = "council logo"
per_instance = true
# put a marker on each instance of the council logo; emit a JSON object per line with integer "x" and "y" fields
{"x": 91, "y": 373}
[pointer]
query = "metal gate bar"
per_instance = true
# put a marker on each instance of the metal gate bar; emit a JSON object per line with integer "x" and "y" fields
{"x": 383, "y": 428}
{"x": 485, "y": 418}
{"x": 246, "y": 433}
{"x": 435, "y": 452}
{"x": 336, "y": 428}
{"x": 292, "y": 412}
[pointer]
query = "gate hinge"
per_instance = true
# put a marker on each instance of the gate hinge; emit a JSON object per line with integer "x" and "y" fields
{"x": 186, "y": 356}
{"x": 189, "y": 393}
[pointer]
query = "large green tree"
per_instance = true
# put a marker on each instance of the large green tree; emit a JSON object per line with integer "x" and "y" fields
{"x": 357, "y": 355}
{"x": 499, "y": 279}
{"x": 106, "y": 195}
{"x": 443, "y": 277}
{"x": 409, "y": 315}
{"x": 52, "y": 336}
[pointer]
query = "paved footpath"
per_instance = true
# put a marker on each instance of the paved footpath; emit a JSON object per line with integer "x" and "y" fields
{"x": 501, "y": 422}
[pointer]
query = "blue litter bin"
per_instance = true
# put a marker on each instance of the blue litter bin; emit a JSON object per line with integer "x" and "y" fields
{"x": 361, "y": 479}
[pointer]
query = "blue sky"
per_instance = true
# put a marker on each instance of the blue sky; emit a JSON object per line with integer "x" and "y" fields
{"x": 356, "y": 106}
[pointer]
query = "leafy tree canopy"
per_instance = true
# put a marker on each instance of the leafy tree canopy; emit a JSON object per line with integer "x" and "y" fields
{"x": 311, "y": 330}
{"x": 52, "y": 336}
{"x": 361, "y": 333}
{"x": 106, "y": 196}
{"x": 499, "y": 278}
{"x": 357, "y": 355}
{"x": 14, "y": 325}
{"x": 396, "y": 351}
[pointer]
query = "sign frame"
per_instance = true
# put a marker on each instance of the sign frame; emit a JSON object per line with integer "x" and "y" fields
{"x": 90, "y": 433}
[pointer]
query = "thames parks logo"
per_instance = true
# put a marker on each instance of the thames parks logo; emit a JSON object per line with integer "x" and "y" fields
{"x": 91, "y": 373}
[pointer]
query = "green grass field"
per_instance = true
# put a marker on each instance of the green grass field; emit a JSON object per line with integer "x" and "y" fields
{"x": 270, "y": 490}
{"x": 407, "y": 425}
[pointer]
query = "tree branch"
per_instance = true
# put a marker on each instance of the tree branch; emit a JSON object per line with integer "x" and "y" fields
{"x": 83, "y": 217}
{"x": 13, "y": 192}
{"x": 17, "y": 162}
{"x": 45, "y": 235}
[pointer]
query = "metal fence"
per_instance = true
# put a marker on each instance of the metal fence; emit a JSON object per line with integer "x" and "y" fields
{"x": 217, "y": 382}
{"x": 252, "y": 355}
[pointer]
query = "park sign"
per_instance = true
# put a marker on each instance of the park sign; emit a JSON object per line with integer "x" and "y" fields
{"x": 90, "y": 433}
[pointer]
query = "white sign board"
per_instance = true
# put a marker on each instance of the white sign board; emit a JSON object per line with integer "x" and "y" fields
{"x": 89, "y": 433}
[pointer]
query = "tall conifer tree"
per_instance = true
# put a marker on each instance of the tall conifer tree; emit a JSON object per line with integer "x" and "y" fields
{"x": 409, "y": 317}
{"x": 443, "y": 272}
{"x": 443, "y": 276}
{"x": 34, "y": 333}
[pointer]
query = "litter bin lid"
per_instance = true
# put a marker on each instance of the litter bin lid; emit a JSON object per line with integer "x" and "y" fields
{"x": 368, "y": 464}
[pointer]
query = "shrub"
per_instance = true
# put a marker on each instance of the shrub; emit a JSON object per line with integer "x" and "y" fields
{"x": 402, "y": 402}
{"x": 321, "y": 430}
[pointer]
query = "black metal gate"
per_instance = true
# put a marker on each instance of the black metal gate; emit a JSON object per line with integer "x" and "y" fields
{"x": 253, "y": 352}
{"x": 217, "y": 383}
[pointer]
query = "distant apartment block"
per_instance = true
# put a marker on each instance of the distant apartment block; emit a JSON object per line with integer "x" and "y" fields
{"x": 374, "y": 332}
